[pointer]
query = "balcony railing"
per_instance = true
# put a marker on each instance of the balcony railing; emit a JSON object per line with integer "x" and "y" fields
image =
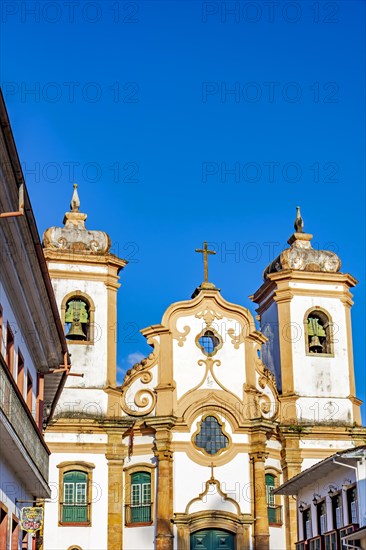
{"x": 137, "y": 514}
{"x": 274, "y": 515}
{"x": 329, "y": 541}
{"x": 16, "y": 412}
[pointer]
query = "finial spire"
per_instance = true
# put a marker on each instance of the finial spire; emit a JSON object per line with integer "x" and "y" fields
{"x": 205, "y": 253}
{"x": 75, "y": 201}
{"x": 299, "y": 223}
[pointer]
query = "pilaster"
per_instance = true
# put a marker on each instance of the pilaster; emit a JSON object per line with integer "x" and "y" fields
{"x": 258, "y": 457}
{"x": 291, "y": 466}
{"x": 116, "y": 454}
{"x": 164, "y": 454}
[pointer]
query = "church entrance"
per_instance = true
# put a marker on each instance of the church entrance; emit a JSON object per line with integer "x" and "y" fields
{"x": 212, "y": 539}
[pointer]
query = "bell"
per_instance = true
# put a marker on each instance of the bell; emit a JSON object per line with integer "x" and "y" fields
{"x": 315, "y": 345}
{"x": 76, "y": 332}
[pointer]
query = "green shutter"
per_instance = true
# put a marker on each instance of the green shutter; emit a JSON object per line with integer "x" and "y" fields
{"x": 74, "y": 509}
{"x": 271, "y": 509}
{"x": 140, "y": 497}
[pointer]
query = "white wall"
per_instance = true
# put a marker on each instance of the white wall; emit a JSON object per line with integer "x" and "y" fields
{"x": 93, "y": 537}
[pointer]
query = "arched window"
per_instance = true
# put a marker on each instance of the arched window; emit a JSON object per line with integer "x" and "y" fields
{"x": 270, "y": 485}
{"x": 318, "y": 332}
{"x": 274, "y": 508}
{"x": 75, "y": 493}
{"x": 75, "y": 503}
{"x": 139, "y": 509}
{"x": 77, "y": 319}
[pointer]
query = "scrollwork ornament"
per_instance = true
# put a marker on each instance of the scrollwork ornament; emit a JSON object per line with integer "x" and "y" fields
{"x": 236, "y": 339}
{"x": 144, "y": 398}
{"x": 208, "y": 315}
{"x": 181, "y": 336}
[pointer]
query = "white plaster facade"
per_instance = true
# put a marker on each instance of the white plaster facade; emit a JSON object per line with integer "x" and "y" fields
{"x": 278, "y": 408}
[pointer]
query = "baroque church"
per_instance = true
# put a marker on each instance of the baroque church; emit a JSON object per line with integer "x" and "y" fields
{"x": 187, "y": 452}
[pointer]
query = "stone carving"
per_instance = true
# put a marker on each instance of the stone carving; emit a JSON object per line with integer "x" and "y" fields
{"x": 74, "y": 236}
{"x": 144, "y": 399}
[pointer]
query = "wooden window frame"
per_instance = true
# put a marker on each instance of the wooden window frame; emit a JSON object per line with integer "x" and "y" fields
{"x": 318, "y": 516}
{"x": 352, "y": 487}
{"x": 4, "y": 525}
{"x": 24, "y": 539}
{"x": 134, "y": 469}
{"x": 40, "y": 400}
{"x": 9, "y": 349}
{"x": 71, "y": 466}
{"x": 305, "y": 534}
{"x": 1, "y": 329}
{"x": 20, "y": 372}
{"x": 29, "y": 394}
{"x": 335, "y": 495}
{"x": 15, "y": 533}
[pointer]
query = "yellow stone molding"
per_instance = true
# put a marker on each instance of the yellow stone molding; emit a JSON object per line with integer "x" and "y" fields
{"x": 213, "y": 519}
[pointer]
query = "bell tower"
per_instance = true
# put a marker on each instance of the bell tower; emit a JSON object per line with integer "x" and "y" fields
{"x": 304, "y": 307}
{"x": 84, "y": 276}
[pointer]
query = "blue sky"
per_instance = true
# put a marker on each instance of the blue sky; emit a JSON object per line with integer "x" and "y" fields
{"x": 183, "y": 122}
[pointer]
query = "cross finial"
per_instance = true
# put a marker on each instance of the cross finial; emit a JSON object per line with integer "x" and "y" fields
{"x": 205, "y": 253}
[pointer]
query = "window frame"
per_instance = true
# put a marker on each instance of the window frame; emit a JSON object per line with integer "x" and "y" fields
{"x": 328, "y": 327}
{"x": 215, "y": 334}
{"x": 15, "y": 533}
{"x": 29, "y": 392}
{"x": 20, "y": 372}
{"x": 79, "y": 295}
{"x": 128, "y": 472}
{"x": 4, "y": 524}
{"x": 198, "y": 430}
{"x": 307, "y": 514}
{"x": 338, "y": 496}
{"x": 352, "y": 488}
{"x": 77, "y": 466}
{"x": 277, "y": 500}
{"x": 321, "y": 505}
{"x": 9, "y": 349}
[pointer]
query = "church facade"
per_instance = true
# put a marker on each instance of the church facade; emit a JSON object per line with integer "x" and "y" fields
{"x": 187, "y": 453}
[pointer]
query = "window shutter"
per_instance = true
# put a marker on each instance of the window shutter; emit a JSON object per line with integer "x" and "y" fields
{"x": 140, "y": 511}
{"x": 74, "y": 508}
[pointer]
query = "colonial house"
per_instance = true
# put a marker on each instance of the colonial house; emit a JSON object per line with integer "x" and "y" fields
{"x": 331, "y": 502}
{"x": 187, "y": 453}
{"x": 32, "y": 345}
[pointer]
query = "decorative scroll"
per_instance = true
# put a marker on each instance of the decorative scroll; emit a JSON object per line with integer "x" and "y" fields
{"x": 208, "y": 315}
{"x": 145, "y": 398}
{"x": 266, "y": 391}
{"x": 236, "y": 339}
{"x": 181, "y": 336}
